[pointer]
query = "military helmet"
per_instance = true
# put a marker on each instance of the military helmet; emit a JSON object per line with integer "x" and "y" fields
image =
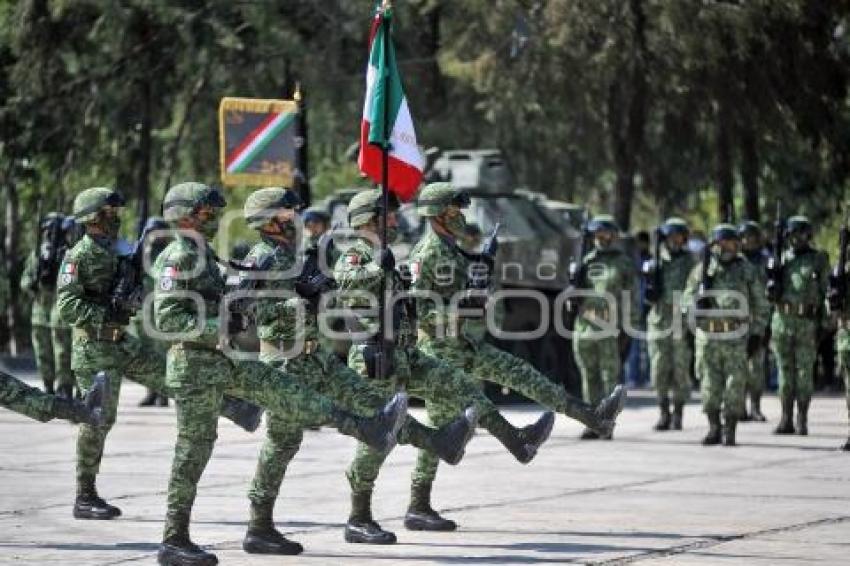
{"x": 749, "y": 228}
{"x": 798, "y": 225}
{"x": 366, "y": 205}
{"x": 314, "y": 214}
{"x": 674, "y": 225}
{"x": 89, "y": 202}
{"x": 262, "y": 205}
{"x": 435, "y": 197}
{"x": 184, "y": 199}
{"x": 602, "y": 223}
{"x": 724, "y": 231}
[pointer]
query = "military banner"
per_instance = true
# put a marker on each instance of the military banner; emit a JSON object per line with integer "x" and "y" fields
{"x": 257, "y": 141}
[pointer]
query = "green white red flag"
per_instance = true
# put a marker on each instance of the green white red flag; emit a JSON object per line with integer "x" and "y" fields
{"x": 386, "y": 104}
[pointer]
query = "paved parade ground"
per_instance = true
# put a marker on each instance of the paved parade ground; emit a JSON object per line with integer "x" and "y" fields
{"x": 645, "y": 498}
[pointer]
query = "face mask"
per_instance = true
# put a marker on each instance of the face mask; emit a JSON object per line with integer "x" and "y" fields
{"x": 456, "y": 225}
{"x": 727, "y": 255}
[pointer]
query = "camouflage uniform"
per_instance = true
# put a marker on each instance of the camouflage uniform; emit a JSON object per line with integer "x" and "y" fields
{"x": 605, "y": 271}
{"x": 841, "y": 314}
{"x": 35, "y": 404}
{"x": 669, "y": 354}
{"x": 721, "y": 364}
{"x": 51, "y": 338}
{"x": 100, "y": 342}
{"x": 795, "y": 326}
{"x": 188, "y": 291}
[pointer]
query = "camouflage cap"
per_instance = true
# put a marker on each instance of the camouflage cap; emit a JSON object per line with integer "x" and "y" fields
{"x": 798, "y": 224}
{"x": 262, "y": 205}
{"x": 89, "y": 202}
{"x": 749, "y": 228}
{"x": 183, "y": 199}
{"x": 603, "y": 222}
{"x": 365, "y": 205}
{"x": 435, "y": 197}
{"x": 674, "y": 225}
{"x": 724, "y": 231}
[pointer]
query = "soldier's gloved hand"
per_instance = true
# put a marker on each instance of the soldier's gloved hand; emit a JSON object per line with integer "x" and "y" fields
{"x": 753, "y": 343}
{"x": 386, "y": 259}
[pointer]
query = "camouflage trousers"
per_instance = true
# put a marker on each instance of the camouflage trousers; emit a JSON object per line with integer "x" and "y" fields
{"x": 52, "y": 348}
{"x": 446, "y": 391}
{"x": 128, "y": 358}
{"x": 844, "y": 365}
{"x": 325, "y": 373}
{"x": 598, "y": 360}
{"x": 670, "y": 368}
{"x": 21, "y": 398}
{"x": 199, "y": 379}
{"x": 721, "y": 367}
{"x": 794, "y": 343}
{"x": 757, "y": 374}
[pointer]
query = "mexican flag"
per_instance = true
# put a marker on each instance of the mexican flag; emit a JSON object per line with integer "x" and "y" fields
{"x": 385, "y": 98}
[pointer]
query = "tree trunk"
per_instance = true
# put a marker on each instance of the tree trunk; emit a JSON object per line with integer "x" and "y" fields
{"x": 750, "y": 174}
{"x": 723, "y": 152}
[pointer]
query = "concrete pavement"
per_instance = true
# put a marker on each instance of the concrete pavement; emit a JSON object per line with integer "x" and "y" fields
{"x": 646, "y": 497}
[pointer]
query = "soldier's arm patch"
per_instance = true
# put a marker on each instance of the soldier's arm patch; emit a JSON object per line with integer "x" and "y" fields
{"x": 352, "y": 259}
{"x": 166, "y": 280}
{"x": 415, "y": 270}
{"x": 69, "y": 273}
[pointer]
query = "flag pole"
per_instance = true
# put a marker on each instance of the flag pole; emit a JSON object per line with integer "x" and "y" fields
{"x": 385, "y": 193}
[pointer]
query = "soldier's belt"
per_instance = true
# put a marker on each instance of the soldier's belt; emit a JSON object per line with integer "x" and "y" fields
{"x": 596, "y": 315}
{"x": 799, "y": 309}
{"x": 100, "y": 333}
{"x": 287, "y": 346}
{"x": 720, "y": 325}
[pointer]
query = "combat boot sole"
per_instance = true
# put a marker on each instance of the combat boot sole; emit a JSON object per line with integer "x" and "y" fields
{"x": 96, "y": 512}
{"x": 368, "y": 534}
{"x": 270, "y": 543}
{"x": 171, "y": 555}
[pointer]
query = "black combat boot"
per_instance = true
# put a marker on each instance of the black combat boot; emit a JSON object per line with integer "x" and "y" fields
{"x": 803, "y": 417}
{"x": 48, "y": 387}
{"x": 607, "y": 411}
{"x": 510, "y": 437}
{"x": 729, "y": 430}
{"x": 380, "y": 432}
{"x": 538, "y": 433}
{"x": 714, "y": 433}
{"x": 262, "y": 536}
{"x": 243, "y": 414}
{"x": 161, "y": 401}
{"x": 786, "y": 421}
{"x": 755, "y": 408}
{"x": 664, "y": 416}
{"x": 149, "y": 400}
{"x": 361, "y": 528}
{"x": 678, "y": 413}
{"x": 89, "y": 505}
{"x": 179, "y": 550}
{"x": 420, "y": 516}
{"x": 447, "y": 442}
{"x": 588, "y": 434}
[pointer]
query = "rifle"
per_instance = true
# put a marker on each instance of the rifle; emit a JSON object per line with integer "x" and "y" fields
{"x": 128, "y": 290}
{"x": 577, "y": 269}
{"x": 706, "y": 280}
{"x": 775, "y": 265}
{"x": 652, "y": 271}
{"x": 837, "y": 290}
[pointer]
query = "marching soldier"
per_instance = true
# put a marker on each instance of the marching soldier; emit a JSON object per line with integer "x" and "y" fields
{"x": 284, "y": 323}
{"x": 839, "y": 307}
{"x": 798, "y": 294}
{"x": 608, "y": 273}
{"x": 752, "y": 244}
{"x": 35, "y": 404}
{"x": 188, "y": 290}
{"x": 445, "y": 389}
{"x": 669, "y": 354}
{"x": 724, "y": 280}
{"x": 85, "y": 285}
